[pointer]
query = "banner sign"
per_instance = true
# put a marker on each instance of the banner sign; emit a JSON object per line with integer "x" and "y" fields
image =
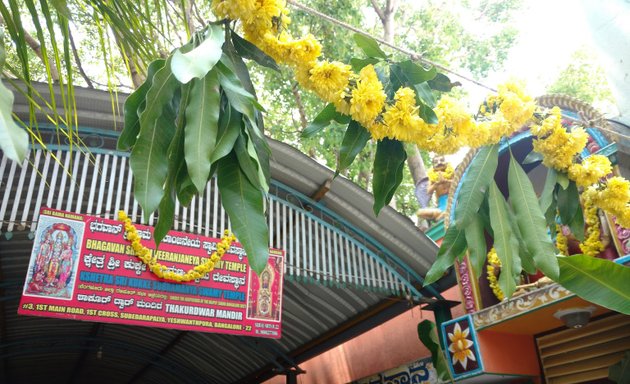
{"x": 83, "y": 268}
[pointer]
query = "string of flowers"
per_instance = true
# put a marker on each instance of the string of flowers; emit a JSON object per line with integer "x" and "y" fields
{"x": 562, "y": 243}
{"x": 162, "y": 271}
{"x": 362, "y": 96}
{"x": 437, "y": 175}
{"x": 592, "y": 244}
{"x": 494, "y": 263}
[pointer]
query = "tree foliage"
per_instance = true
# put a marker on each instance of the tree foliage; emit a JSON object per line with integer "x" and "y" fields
{"x": 583, "y": 78}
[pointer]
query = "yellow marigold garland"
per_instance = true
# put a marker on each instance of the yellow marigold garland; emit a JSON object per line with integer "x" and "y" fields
{"x": 493, "y": 263}
{"x": 162, "y": 271}
{"x": 562, "y": 243}
{"x": 592, "y": 244}
{"x": 362, "y": 95}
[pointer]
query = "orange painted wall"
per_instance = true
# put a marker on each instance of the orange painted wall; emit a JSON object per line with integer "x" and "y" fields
{"x": 498, "y": 354}
{"x": 388, "y": 346}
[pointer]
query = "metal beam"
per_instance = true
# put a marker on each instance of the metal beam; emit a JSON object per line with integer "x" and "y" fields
{"x": 159, "y": 356}
{"x": 75, "y": 373}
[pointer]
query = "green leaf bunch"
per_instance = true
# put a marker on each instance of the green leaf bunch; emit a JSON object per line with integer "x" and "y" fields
{"x": 196, "y": 116}
{"x": 518, "y": 228}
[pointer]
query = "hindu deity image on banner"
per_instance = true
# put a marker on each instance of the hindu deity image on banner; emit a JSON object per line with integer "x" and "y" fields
{"x": 264, "y": 294}
{"x": 53, "y": 265}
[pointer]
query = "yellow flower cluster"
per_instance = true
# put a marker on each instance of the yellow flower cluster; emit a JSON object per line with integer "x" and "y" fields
{"x": 454, "y": 128}
{"x": 362, "y": 95}
{"x": 558, "y": 146}
{"x": 562, "y": 243}
{"x": 493, "y": 263}
{"x": 613, "y": 196}
{"x": 592, "y": 244}
{"x": 368, "y": 97}
{"x": 590, "y": 170}
{"x": 446, "y": 174}
{"x": 511, "y": 107}
{"x": 162, "y": 271}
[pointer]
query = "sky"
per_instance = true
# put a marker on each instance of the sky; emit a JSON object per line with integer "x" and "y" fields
{"x": 549, "y": 32}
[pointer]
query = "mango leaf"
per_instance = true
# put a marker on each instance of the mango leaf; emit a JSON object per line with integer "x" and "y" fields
{"x": 242, "y": 100}
{"x": 323, "y": 119}
{"x": 533, "y": 157}
{"x": 252, "y": 52}
{"x": 577, "y": 224}
{"x": 550, "y": 214}
{"x": 397, "y": 79}
{"x": 563, "y": 180}
{"x": 427, "y": 114}
{"x": 568, "y": 202}
{"x": 237, "y": 66}
{"x": 13, "y": 139}
{"x": 620, "y": 372}
{"x": 230, "y": 122}
{"x": 388, "y": 168}
{"x": 479, "y": 174}
{"x": 527, "y": 260}
{"x": 530, "y": 219}
{"x": 185, "y": 188}
{"x": 505, "y": 243}
{"x": 148, "y": 161}
{"x": 358, "y": 64}
{"x": 599, "y": 281}
{"x": 415, "y": 73}
{"x": 166, "y": 209}
{"x": 134, "y": 105}
{"x": 262, "y": 150}
{"x": 369, "y": 46}
{"x": 442, "y": 83}
{"x": 201, "y": 59}
{"x": 548, "y": 190}
{"x": 202, "y": 119}
{"x": 244, "y": 204}
{"x": 248, "y": 161}
{"x": 453, "y": 245}
{"x": 477, "y": 248}
{"x": 427, "y": 333}
{"x": 354, "y": 140}
{"x": 425, "y": 93}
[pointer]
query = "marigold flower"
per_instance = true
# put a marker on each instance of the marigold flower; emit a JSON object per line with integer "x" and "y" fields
{"x": 368, "y": 98}
{"x": 590, "y": 170}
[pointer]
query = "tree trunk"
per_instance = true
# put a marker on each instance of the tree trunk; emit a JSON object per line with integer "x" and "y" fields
{"x": 414, "y": 161}
{"x": 300, "y": 105}
{"x": 419, "y": 176}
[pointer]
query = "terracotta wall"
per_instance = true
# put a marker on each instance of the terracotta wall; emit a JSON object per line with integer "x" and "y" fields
{"x": 388, "y": 346}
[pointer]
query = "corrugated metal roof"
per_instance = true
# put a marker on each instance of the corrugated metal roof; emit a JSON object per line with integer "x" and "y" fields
{"x": 315, "y": 316}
